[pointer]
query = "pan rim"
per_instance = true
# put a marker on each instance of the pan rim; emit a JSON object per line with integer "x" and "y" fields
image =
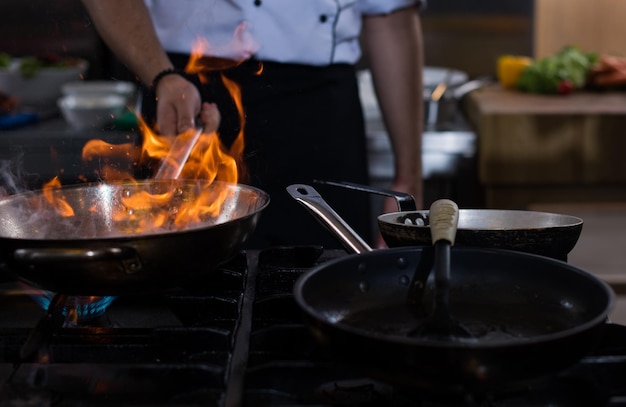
{"x": 575, "y": 221}
{"x": 404, "y": 340}
{"x": 148, "y": 235}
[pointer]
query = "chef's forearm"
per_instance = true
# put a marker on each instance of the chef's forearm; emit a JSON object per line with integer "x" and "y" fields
{"x": 126, "y": 28}
{"x": 394, "y": 47}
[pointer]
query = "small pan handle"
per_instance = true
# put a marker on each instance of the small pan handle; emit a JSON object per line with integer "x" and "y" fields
{"x": 406, "y": 202}
{"x": 321, "y": 210}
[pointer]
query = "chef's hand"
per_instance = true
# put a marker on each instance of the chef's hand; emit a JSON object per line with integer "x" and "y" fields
{"x": 178, "y": 104}
{"x": 610, "y": 71}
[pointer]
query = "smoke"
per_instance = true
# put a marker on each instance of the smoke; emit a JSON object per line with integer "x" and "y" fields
{"x": 12, "y": 176}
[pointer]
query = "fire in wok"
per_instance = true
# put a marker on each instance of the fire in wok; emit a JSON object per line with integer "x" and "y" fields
{"x": 134, "y": 235}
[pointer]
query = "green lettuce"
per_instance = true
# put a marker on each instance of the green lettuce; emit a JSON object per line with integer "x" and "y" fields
{"x": 560, "y": 73}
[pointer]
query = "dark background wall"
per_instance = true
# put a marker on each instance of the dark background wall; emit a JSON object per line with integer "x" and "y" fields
{"x": 471, "y": 34}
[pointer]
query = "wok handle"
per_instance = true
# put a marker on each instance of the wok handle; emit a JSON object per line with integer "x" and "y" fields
{"x": 45, "y": 256}
{"x": 321, "y": 210}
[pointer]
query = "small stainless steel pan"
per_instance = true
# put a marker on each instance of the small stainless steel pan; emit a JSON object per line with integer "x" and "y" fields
{"x": 547, "y": 234}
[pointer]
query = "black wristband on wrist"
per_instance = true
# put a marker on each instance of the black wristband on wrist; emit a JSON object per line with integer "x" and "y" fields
{"x": 165, "y": 72}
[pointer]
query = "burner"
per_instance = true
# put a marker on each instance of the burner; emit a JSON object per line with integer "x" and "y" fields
{"x": 78, "y": 310}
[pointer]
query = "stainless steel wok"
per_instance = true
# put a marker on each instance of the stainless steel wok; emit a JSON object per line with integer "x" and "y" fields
{"x": 97, "y": 252}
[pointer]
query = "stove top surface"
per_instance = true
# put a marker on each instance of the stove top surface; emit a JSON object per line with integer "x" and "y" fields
{"x": 237, "y": 338}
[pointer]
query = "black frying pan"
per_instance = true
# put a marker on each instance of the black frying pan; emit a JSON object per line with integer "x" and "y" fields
{"x": 529, "y": 315}
{"x": 97, "y": 251}
{"x": 547, "y": 234}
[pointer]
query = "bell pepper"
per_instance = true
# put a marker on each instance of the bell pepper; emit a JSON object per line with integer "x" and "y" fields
{"x": 510, "y": 68}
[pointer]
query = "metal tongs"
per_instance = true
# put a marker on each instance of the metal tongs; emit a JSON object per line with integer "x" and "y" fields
{"x": 444, "y": 219}
{"x": 172, "y": 165}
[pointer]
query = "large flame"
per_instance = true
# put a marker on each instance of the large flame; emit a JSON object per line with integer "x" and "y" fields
{"x": 208, "y": 161}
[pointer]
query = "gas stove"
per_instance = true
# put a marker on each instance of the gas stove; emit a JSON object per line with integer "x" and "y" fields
{"x": 236, "y": 338}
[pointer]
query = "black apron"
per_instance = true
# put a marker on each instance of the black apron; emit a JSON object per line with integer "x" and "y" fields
{"x": 302, "y": 123}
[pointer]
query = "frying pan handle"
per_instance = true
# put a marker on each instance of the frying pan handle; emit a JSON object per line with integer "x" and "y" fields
{"x": 45, "y": 256}
{"x": 444, "y": 218}
{"x": 315, "y": 204}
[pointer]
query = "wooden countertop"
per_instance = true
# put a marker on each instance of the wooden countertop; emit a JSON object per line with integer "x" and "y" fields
{"x": 493, "y": 100}
{"x": 549, "y": 148}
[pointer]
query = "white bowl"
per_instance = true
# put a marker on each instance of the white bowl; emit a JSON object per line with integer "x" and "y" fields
{"x": 44, "y": 88}
{"x": 99, "y": 87}
{"x": 91, "y": 111}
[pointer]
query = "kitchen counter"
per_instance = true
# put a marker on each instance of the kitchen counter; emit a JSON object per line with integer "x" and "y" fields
{"x": 493, "y": 99}
{"x": 548, "y": 148}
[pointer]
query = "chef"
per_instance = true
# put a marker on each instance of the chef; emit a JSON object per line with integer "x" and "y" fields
{"x": 295, "y": 62}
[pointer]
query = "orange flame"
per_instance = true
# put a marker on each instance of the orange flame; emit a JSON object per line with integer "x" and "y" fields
{"x": 209, "y": 160}
{"x": 114, "y": 161}
{"x": 60, "y": 205}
